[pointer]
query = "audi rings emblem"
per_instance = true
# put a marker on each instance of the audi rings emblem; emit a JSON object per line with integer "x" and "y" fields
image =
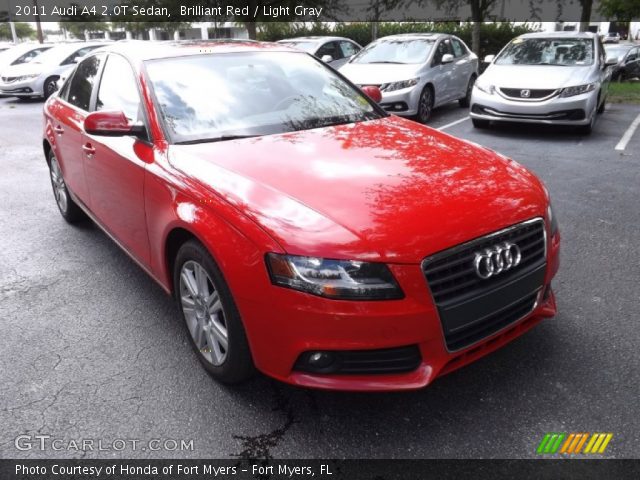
{"x": 493, "y": 261}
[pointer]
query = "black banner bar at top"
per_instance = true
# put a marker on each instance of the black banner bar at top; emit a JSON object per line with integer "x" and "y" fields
{"x": 316, "y": 10}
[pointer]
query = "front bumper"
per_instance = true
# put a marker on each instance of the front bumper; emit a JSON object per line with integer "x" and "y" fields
{"x": 402, "y": 102}
{"x": 576, "y": 110}
{"x": 285, "y": 324}
{"x": 23, "y": 88}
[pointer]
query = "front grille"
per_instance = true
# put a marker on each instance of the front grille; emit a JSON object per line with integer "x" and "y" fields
{"x": 366, "y": 362}
{"x": 537, "y": 94}
{"x": 573, "y": 114}
{"x": 472, "y": 308}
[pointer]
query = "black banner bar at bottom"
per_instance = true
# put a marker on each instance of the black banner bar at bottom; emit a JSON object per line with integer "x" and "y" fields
{"x": 270, "y": 469}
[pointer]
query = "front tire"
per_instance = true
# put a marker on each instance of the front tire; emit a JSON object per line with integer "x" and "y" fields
{"x": 69, "y": 210}
{"x": 425, "y": 105}
{"x": 210, "y": 314}
{"x": 50, "y": 87}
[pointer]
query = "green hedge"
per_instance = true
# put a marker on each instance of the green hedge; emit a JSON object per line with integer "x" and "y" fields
{"x": 493, "y": 36}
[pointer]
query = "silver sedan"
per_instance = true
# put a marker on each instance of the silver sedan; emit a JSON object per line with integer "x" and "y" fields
{"x": 416, "y": 72}
{"x": 559, "y": 78}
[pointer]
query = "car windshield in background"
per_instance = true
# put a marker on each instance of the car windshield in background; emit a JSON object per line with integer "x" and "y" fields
{"x": 306, "y": 46}
{"x": 618, "y": 52}
{"x": 220, "y": 97}
{"x": 396, "y": 51}
{"x": 547, "y": 51}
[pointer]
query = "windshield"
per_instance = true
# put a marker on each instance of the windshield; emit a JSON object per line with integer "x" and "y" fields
{"x": 618, "y": 52}
{"x": 396, "y": 51}
{"x": 547, "y": 51}
{"x": 306, "y": 46}
{"x": 220, "y": 97}
{"x": 55, "y": 55}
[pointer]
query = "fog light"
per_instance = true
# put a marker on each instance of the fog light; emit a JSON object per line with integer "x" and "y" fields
{"x": 320, "y": 359}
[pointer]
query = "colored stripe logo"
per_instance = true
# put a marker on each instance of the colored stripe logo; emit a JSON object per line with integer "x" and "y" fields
{"x": 574, "y": 443}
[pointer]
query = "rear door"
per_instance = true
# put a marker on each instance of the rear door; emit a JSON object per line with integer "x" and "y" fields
{"x": 464, "y": 67}
{"x": 114, "y": 166}
{"x": 443, "y": 73}
{"x": 68, "y": 112}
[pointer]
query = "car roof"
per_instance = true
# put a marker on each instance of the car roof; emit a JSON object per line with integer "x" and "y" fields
{"x": 566, "y": 35}
{"x": 317, "y": 38}
{"x": 145, "y": 50}
{"x": 409, "y": 36}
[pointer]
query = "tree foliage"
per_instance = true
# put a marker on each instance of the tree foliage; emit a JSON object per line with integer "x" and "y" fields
{"x": 23, "y": 31}
{"x": 622, "y": 10}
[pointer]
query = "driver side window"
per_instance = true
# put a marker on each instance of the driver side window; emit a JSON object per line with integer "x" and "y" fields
{"x": 118, "y": 89}
{"x": 442, "y": 49}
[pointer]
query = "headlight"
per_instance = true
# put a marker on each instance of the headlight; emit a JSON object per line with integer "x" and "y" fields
{"x": 337, "y": 279}
{"x": 483, "y": 87}
{"x": 553, "y": 221}
{"x": 390, "y": 87}
{"x": 571, "y": 91}
{"x": 27, "y": 77}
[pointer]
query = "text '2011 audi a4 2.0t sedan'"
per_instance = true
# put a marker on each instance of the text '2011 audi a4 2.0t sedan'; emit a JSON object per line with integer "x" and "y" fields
{"x": 302, "y": 230}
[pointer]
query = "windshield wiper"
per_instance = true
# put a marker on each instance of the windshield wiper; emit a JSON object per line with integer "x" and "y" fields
{"x": 222, "y": 138}
{"x": 389, "y": 61}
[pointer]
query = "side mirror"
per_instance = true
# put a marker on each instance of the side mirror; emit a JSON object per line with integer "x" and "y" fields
{"x": 112, "y": 124}
{"x": 77, "y": 59}
{"x": 611, "y": 61}
{"x": 489, "y": 58}
{"x": 327, "y": 58}
{"x": 446, "y": 58}
{"x": 372, "y": 92}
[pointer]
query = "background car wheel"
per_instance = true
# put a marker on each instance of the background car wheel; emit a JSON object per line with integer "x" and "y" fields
{"x": 210, "y": 315}
{"x": 466, "y": 100}
{"x": 587, "y": 129}
{"x": 70, "y": 211}
{"x": 50, "y": 87}
{"x": 425, "y": 105}
{"x": 479, "y": 123}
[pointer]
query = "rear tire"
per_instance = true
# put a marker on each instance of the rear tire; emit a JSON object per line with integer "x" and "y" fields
{"x": 69, "y": 209}
{"x": 479, "y": 123}
{"x": 210, "y": 315}
{"x": 466, "y": 100}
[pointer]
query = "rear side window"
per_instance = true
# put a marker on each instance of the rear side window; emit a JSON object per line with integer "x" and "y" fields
{"x": 348, "y": 49}
{"x": 458, "y": 49}
{"x": 81, "y": 85}
{"x": 118, "y": 88}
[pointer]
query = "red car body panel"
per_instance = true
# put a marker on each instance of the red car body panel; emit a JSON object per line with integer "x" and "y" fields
{"x": 386, "y": 190}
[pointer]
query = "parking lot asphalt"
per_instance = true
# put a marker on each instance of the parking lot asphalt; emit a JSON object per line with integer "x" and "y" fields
{"x": 91, "y": 348}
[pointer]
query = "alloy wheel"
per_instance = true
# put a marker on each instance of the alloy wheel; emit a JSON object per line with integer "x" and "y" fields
{"x": 59, "y": 187}
{"x": 203, "y": 313}
{"x": 425, "y": 105}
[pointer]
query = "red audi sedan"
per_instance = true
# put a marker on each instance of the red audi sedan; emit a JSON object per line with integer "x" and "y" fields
{"x": 301, "y": 229}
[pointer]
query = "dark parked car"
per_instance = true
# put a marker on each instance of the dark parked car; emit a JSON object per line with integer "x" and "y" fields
{"x": 628, "y": 65}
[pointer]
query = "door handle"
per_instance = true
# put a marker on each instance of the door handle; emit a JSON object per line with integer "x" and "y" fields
{"x": 89, "y": 150}
{"x": 58, "y": 129}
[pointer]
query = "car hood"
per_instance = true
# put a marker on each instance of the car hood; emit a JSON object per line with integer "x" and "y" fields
{"x": 378, "y": 73}
{"x": 532, "y": 76}
{"x": 387, "y": 190}
{"x": 23, "y": 69}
